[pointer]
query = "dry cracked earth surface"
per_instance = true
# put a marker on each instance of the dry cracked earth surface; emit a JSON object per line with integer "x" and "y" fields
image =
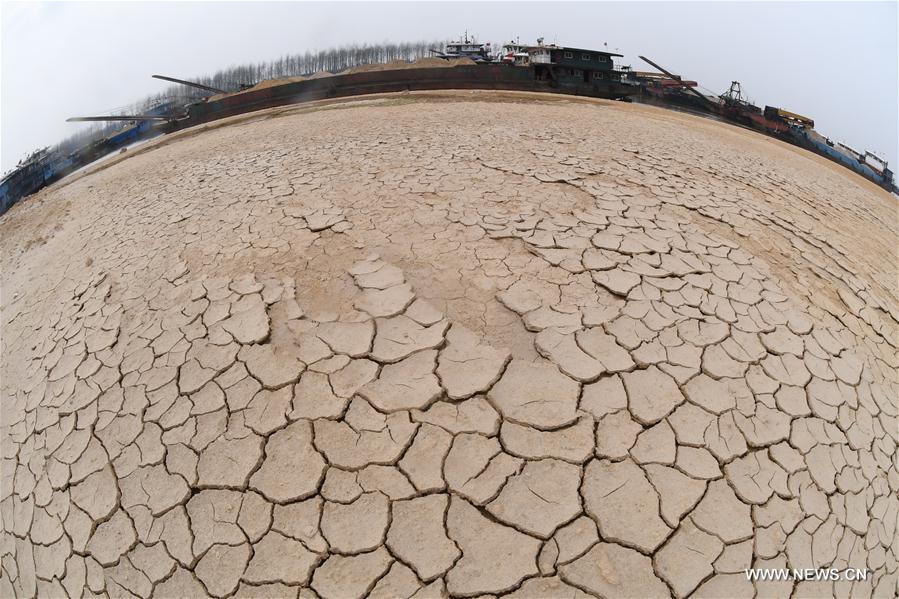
{"x": 452, "y": 344}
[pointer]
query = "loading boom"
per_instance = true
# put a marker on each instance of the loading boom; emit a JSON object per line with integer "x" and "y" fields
{"x": 207, "y": 88}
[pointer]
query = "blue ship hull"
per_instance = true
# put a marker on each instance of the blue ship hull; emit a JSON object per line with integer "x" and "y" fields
{"x": 52, "y": 166}
{"x": 820, "y": 146}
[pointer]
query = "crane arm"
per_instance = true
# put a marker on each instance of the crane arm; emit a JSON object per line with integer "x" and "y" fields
{"x": 131, "y": 117}
{"x": 677, "y": 78}
{"x": 191, "y": 84}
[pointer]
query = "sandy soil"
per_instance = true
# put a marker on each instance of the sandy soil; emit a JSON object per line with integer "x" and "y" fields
{"x": 387, "y": 66}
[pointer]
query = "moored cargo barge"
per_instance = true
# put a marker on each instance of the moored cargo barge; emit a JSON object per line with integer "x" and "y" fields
{"x": 492, "y": 76}
{"x": 668, "y": 90}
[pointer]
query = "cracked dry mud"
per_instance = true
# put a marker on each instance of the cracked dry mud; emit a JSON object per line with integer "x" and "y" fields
{"x": 454, "y": 344}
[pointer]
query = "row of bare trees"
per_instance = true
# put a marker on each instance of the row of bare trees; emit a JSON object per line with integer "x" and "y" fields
{"x": 232, "y": 78}
{"x": 333, "y": 60}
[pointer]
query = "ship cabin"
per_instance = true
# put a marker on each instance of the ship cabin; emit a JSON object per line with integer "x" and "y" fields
{"x": 577, "y": 65}
{"x": 566, "y": 65}
{"x": 466, "y": 48}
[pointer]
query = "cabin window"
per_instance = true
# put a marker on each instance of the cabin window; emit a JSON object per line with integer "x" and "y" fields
{"x": 585, "y": 56}
{"x": 577, "y": 72}
{"x": 569, "y": 55}
{"x": 598, "y": 75}
{"x": 603, "y": 58}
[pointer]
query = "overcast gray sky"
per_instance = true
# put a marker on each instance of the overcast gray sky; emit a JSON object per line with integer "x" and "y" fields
{"x": 834, "y": 61}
